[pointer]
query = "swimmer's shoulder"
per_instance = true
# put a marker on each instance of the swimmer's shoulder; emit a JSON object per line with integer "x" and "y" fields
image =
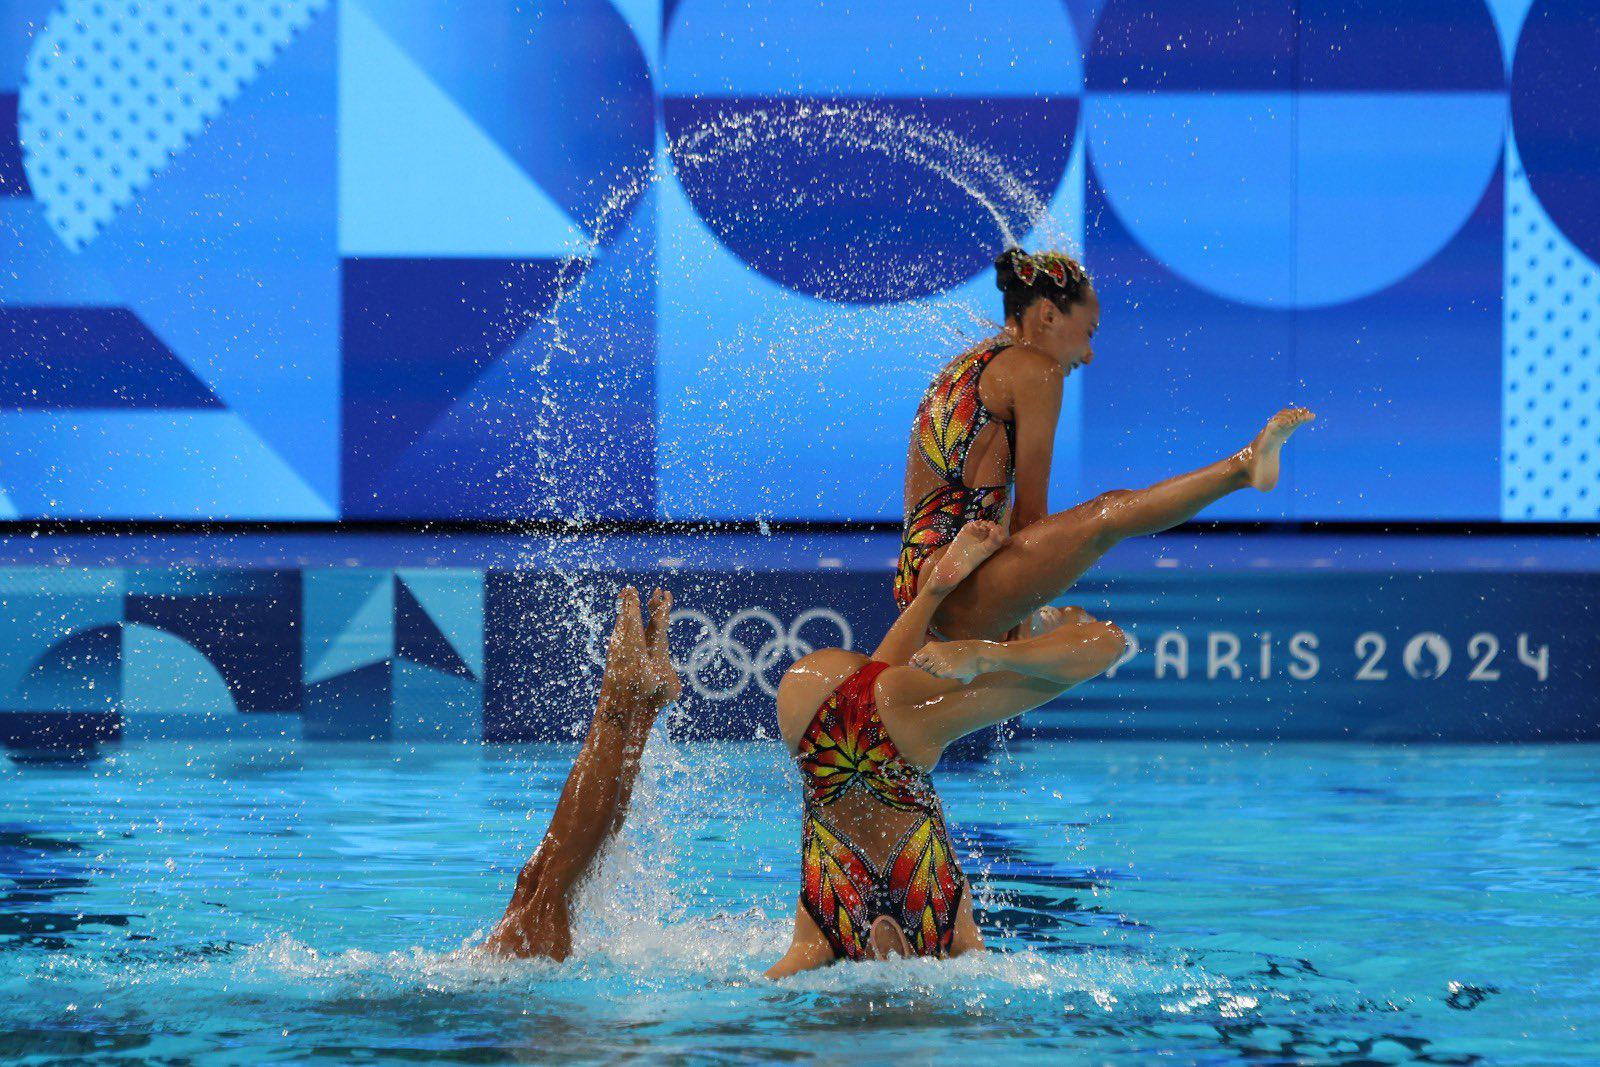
{"x": 1018, "y": 370}
{"x": 807, "y": 684}
{"x": 1023, "y": 362}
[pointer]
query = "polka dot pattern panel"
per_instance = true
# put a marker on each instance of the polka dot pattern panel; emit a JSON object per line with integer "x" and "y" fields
{"x": 1551, "y": 450}
{"x": 114, "y": 89}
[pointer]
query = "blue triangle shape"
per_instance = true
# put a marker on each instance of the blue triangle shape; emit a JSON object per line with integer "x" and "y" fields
{"x": 417, "y": 177}
{"x": 366, "y": 638}
{"x": 417, "y": 333}
{"x": 418, "y": 640}
{"x": 91, "y": 358}
{"x": 453, "y": 599}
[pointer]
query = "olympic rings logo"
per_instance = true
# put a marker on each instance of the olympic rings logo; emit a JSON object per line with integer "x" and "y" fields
{"x": 721, "y": 664}
{"x": 750, "y": 648}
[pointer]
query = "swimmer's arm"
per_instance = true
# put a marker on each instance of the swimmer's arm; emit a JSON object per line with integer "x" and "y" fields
{"x": 1036, "y": 410}
{"x": 910, "y": 630}
{"x": 808, "y": 949}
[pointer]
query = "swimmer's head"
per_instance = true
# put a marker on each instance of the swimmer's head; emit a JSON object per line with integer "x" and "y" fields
{"x": 1051, "y": 302}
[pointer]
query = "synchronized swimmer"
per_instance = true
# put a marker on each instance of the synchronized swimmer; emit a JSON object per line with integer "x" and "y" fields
{"x": 976, "y": 643}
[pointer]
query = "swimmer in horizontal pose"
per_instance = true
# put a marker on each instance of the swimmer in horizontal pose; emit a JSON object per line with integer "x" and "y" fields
{"x": 879, "y": 875}
{"x": 985, "y": 433}
{"x": 639, "y": 681}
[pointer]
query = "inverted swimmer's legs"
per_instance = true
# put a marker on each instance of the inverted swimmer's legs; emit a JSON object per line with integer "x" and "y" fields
{"x": 638, "y": 682}
{"x": 1042, "y": 562}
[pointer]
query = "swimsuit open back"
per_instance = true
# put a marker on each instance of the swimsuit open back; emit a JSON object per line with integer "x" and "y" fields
{"x": 874, "y": 841}
{"x": 949, "y": 419}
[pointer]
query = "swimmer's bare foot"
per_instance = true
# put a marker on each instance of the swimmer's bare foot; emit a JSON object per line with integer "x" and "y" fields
{"x": 626, "y": 667}
{"x": 960, "y": 661}
{"x": 637, "y": 668}
{"x": 663, "y": 684}
{"x": 1051, "y": 618}
{"x": 976, "y": 542}
{"x": 1261, "y": 457}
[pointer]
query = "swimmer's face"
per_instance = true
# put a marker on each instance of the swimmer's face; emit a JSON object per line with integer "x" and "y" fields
{"x": 1069, "y": 335}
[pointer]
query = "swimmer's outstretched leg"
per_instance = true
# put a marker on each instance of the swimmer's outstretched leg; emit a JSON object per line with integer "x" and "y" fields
{"x": 639, "y": 681}
{"x": 1041, "y": 562}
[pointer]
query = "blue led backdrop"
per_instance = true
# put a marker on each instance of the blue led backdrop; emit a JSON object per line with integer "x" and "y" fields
{"x": 322, "y": 259}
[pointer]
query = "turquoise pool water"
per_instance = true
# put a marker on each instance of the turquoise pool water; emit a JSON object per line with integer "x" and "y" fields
{"x": 1149, "y": 903}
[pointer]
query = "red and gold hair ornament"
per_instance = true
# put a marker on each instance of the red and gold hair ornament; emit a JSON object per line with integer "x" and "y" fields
{"x": 1063, "y": 270}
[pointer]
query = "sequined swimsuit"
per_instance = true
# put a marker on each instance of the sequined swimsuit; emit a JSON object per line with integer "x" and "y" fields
{"x": 951, "y": 416}
{"x": 860, "y": 796}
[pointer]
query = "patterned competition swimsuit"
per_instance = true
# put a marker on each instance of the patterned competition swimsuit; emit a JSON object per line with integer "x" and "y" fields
{"x": 951, "y": 416}
{"x": 859, "y": 788}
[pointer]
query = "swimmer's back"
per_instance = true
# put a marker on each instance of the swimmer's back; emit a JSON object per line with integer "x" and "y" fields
{"x": 1012, "y": 369}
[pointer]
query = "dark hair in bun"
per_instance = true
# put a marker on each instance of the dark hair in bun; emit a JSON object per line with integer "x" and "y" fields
{"x": 1051, "y": 276}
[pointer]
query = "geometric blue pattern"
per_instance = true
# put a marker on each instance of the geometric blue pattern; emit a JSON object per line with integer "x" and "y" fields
{"x": 470, "y": 655}
{"x": 92, "y": 655}
{"x": 116, "y": 88}
{"x": 475, "y": 158}
{"x": 418, "y": 638}
{"x": 418, "y": 333}
{"x": 199, "y": 261}
{"x": 299, "y": 260}
{"x": 241, "y": 622}
{"x": 1551, "y": 447}
{"x": 394, "y": 654}
{"x": 997, "y": 88}
{"x": 90, "y": 358}
{"x": 406, "y": 148}
{"x": 563, "y": 90}
{"x": 45, "y": 699}
{"x": 138, "y": 654}
{"x": 1295, "y": 155}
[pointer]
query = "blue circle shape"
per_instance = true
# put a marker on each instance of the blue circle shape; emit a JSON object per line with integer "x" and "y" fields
{"x": 1555, "y": 112}
{"x": 1288, "y": 154}
{"x": 852, "y": 205}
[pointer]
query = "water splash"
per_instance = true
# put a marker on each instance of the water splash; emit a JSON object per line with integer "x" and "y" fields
{"x": 592, "y": 328}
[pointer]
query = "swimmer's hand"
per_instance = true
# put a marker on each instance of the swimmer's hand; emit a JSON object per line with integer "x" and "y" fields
{"x": 959, "y": 661}
{"x": 977, "y": 541}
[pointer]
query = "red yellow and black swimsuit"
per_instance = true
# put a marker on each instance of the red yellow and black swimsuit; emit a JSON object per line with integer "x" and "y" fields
{"x": 859, "y": 789}
{"x": 949, "y": 419}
